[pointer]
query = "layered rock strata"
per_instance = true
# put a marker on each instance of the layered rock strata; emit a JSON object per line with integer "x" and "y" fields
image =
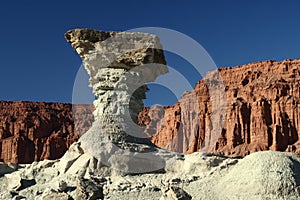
{"x": 262, "y": 112}
{"x": 32, "y": 131}
{"x": 260, "y": 115}
{"x": 82, "y": 173}
{"x": 119, "y": 64}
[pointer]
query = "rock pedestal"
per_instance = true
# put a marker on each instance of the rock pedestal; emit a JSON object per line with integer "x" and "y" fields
{"x": 119, "y": 64}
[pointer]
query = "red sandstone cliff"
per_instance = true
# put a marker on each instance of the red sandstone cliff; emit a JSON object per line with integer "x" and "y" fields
{"x": 31, "y": 131}
{"x": 262, "y": 112}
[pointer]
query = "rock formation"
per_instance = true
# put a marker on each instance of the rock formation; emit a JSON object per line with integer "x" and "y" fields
{"x": 193, "y": 176}
{"x": 119, "y": 64}
{"x": 262, "y": 112}
{"x": 31, "y": 131}
{"x": 83, "y": 172}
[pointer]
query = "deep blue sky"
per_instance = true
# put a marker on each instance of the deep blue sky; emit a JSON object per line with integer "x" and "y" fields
{"x": 38, "y": 65}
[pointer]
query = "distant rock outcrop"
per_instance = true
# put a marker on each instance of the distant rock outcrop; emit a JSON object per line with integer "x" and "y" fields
{"x": 262, "y": 112}
{"x": 32, "y": 131}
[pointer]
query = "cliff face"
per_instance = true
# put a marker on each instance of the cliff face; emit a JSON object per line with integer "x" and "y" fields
{"x": 262, "y": 112}
{"x": 32, "y": 131}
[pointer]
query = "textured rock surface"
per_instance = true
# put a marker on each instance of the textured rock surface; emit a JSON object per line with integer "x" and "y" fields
{"x": 262, "y": 112}
{"x": 207, "y": 176}
{"x": 260, "y": 115}
{"x": 31, "y": 131}
{"x": 119, "y": 64}
{"x": 81, "y": 173}
{"x": 113, "y": 61}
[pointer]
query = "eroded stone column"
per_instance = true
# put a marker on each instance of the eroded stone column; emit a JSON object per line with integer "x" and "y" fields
{"x": 119, "y": 64}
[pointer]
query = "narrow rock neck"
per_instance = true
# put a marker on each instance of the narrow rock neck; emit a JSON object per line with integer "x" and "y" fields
{"x": 119, "y": 65}
{"x": 119, "y": 103}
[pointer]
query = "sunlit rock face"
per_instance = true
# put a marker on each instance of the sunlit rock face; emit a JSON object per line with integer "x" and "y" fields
{"x": 34, "y": 131}
{"x": 261, "y": 112}
{"x": 119, "y": 64}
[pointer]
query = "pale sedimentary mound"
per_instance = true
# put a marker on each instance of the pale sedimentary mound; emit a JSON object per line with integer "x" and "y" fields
{"x": 261, "y": 175}
{"x": 119, "y": 64}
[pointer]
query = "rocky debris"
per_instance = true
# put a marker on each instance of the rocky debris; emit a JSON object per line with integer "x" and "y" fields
{"x": 31, "y": 131}
{"x": 174, "y": 193}
{"x": 60, "y": 186}
{"x": 262, "y": 112}
{"x": 260, "y": 175}
{"x": 14, "y": 182}
{"x": 87, "y": 189}
{"x": 19, "y": 197}
{"x": 50, "y": 195}
{"x": 17, "y": 183}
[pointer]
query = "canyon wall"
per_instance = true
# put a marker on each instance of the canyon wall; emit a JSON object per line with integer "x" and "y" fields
{"x": 262, "y": 112}
{"x": 32, "y": 131}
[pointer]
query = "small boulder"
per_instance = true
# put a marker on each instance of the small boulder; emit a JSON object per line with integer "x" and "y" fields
{"x": 56, "y": 195}
{"x": 174, "y": 193}
{"x": 60, "y": 185}
{"x": 88, "y": 190}
{"x": 13, "y": 181}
